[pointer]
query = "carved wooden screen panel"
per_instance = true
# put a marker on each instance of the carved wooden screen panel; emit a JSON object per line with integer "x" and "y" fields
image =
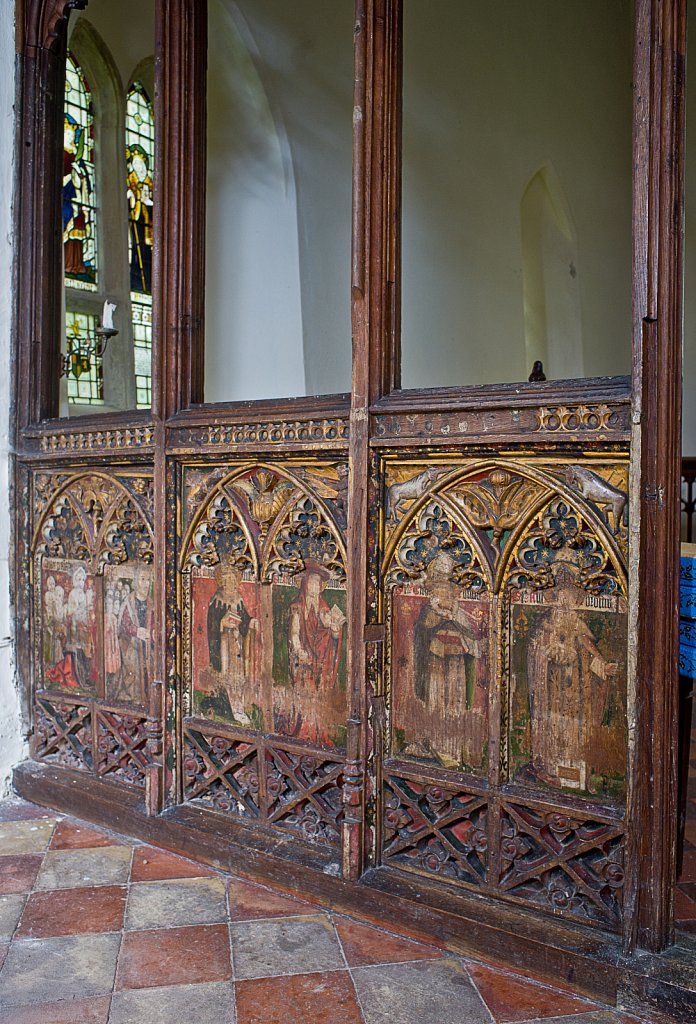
{"x": 93, "y": 622}
{"x": 504, "y": 596}
{"x": 262, "y": 584}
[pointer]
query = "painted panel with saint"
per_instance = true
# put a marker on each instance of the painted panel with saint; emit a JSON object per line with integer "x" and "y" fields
{"x": 440, "y": 670}
{"x": 568, "y": 726}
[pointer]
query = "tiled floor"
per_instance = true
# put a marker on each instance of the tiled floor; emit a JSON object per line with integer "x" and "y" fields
{"x": 95, "y": 928}
{"x": 685, "y": 898}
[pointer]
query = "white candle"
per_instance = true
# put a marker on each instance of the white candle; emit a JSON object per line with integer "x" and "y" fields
{"x": 108, "y": 315}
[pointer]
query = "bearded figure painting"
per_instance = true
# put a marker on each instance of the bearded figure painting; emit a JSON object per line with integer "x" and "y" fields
{"x": 309, "y": 658}
{"x": 568, "y": 694}
{"x": 440, "y": 670}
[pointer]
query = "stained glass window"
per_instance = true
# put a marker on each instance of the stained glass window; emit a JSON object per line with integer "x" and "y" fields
{"x": 140, "y": 152}
{"x": 85, "y": 378}
{"x": 79, "y": 201}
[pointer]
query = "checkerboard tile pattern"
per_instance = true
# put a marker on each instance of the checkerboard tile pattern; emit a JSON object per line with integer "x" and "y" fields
{"x": 98, "y": 929}
{"x": 685, "y": 896}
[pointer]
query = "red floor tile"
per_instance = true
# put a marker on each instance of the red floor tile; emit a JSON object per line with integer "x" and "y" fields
{"x": 513, "y": 999}
{"x": 684, "y": 906}
{"x": 174, "y": 956}
{"x": 73, "y": 835}
{"x": 68, "y": 1011}
{"x": 302, "y": 998}
{"x": 249, "y": 902}
{"x": 364, "y": 945}
{"x": 153, "y": 865}
{"x": 18, "y": 874}
{"x": 73, "y": 912}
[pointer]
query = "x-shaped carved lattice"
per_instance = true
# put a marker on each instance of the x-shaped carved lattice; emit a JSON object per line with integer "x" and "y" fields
{"x": 129, "y": 755}
{"x": 66, "y": 730}
{"x": 560, "y": 843}
{"x": 219, "y": 771}
{"x": 311, "y": 781}
{"x": 424, "y": 817}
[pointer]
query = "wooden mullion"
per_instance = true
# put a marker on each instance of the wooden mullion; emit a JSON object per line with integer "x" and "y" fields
{"x": 659, "y": 145}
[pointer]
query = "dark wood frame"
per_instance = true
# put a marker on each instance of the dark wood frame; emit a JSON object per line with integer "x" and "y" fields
{"x": 652, "y": 428}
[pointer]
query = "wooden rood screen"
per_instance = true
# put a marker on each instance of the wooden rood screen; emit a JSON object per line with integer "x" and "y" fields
{"x": 424, "y": 638}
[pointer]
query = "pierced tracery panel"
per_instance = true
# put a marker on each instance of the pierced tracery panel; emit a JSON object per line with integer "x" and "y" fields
{"x": 564, "y": 862}
{"x": 122, "y": 741}
{"x": 305, "y": 793}
{"x": 436, "y": 829}
{"x": 295, "y": 789}
{"x": 222, "y": 773}
{"x": 63, "y": 733}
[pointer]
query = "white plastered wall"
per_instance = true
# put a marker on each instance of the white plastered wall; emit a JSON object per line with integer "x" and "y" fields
{"x": 12, "y": 747}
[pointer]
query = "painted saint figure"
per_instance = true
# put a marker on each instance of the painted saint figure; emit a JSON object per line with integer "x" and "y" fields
{"x": 446, "y": 652}
{"x": 314, "y": 638}
{"x": 136, "y": 640}
{"x": 569, "y": 683}
{"x": 77, "y": 191}
{"x": 232, "y": 642}
{"x": 54, "y": 621}
{"x": 140, "y": 201}
{"x": 76, "y": 670}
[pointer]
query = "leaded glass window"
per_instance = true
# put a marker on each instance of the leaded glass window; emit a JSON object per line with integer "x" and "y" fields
{"x": 79, "y": 201}
{"x": 86, "y": 376}
{"x": 140, "y": 152}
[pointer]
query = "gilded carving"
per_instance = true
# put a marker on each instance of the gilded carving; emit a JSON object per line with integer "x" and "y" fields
{"x": 97, "y": 440}
{"x": 496, "y": 504}
{"x": 281, "y": 432}
{"x": 569, "y": 419}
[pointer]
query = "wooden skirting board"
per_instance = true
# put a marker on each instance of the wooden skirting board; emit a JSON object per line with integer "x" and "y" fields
{"x": 660, "y": 986}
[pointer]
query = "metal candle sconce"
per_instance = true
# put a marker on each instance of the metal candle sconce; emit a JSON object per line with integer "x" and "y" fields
{"x": 78, "y": 359}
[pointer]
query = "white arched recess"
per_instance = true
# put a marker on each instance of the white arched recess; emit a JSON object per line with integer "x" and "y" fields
{"x": 550, "y": 276}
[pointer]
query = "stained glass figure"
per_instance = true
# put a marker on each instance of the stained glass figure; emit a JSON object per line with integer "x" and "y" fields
{"x": 79, "y": 206}
{"x": 140, "y": 145}
{"x": 86, "y": 375}
{"x": 140, "y": 153}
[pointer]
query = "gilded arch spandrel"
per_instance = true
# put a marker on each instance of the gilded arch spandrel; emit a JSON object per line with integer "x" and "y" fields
{"x": 249, "y": 658}
{"x": 92, "y": 554}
